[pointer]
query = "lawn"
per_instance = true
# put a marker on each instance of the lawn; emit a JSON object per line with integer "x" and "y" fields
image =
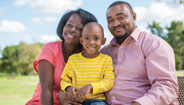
{"x": 19, "y": 90}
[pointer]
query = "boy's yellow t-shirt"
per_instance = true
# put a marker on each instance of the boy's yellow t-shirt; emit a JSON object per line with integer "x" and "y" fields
{"x": 80, "y": 71}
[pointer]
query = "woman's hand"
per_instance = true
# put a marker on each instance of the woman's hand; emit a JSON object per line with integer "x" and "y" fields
{"x": 71, "y": 92}
{"x": 62, "y": 96}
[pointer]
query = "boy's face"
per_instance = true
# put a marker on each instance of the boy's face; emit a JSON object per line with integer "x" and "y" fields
{"x": 92, "y": 38}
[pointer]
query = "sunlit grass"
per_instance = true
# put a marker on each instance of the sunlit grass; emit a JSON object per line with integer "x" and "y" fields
{"x": 17, "y": 91}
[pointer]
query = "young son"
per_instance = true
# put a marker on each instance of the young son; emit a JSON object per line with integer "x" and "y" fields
{"x": 89, "y": 74}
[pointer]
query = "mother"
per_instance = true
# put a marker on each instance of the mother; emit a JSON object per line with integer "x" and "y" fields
{"x": 54, "y": 55}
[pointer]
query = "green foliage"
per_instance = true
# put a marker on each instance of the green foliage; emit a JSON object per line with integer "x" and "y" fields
{"x": 10, "y": 58}
{"x": 27, "y": 54}
{"x": 178, "y": 62}
{"x": 19, "y": 59}
{"x": 182, "y": 1}
{"x": 156, "y": 29}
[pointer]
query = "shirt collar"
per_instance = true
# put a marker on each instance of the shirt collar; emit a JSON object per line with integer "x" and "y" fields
{"x": 134, "y": 35}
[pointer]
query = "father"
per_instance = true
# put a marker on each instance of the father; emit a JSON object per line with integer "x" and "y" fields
{"x": 144, "y": 63}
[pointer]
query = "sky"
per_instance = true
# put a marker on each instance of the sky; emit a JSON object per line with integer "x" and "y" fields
{"x": 34, "y": 21}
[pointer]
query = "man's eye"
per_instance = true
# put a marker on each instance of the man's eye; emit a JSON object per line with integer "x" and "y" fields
{"x": 122, "y": 17}
{"x": 110, "y": 20}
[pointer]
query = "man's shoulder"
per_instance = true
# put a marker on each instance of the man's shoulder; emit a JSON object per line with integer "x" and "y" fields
{"x": 105, "y": 49}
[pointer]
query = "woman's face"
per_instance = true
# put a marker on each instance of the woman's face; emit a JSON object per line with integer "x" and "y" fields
{"x": 72, "y": 30}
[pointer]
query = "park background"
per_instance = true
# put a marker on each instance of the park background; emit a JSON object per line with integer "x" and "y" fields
{"x": 26, "y": 25}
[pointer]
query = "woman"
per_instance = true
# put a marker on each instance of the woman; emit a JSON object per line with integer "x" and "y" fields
{"x": 54, "y": 55}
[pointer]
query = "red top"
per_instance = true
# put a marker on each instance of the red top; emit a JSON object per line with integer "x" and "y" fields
{"x": 51, "y": 52}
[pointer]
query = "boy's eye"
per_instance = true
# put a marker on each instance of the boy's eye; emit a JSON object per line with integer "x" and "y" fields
{"x": 86, "y": 38}
{"x": 96, "y": 38}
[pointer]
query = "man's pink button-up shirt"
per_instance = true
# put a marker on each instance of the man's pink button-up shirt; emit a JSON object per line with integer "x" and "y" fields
{"x": 144, "y": 71}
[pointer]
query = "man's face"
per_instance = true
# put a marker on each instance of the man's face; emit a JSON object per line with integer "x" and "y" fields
{"x": 120, "y": 20}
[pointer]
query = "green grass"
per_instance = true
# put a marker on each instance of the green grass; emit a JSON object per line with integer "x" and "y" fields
{"x": 180, "y": 73}
{"x": 19, "y": 90}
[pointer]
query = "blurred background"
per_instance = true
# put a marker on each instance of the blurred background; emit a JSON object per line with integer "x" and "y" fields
{"x": 26, "y": 25}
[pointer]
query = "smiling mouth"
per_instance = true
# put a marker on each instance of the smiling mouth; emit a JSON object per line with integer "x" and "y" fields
{"x": 91, "y": 48}
{"x": 70, "y": 36}
{"x": 118, "y": 29}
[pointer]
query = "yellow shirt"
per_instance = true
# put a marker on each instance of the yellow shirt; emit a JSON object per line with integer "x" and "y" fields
{"x": 80, "y": 71}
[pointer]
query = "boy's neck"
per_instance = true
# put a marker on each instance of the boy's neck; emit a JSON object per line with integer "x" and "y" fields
{"x": 86, "y": 55}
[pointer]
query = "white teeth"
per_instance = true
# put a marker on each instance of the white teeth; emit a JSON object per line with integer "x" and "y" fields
{"x": 70, "y": 36}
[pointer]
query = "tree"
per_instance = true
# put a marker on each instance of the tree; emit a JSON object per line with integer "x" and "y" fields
{"x": 156, "y": 29}
{"x": 19, "y": 58}
{"x": 182, "y": 1}
{"x": 27, "y": 54}
{"x": 175, "y": 38}
{"x": 9, "y": 59}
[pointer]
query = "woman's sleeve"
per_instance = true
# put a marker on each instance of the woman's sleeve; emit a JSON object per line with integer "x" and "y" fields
{"x": 45, "y": 54}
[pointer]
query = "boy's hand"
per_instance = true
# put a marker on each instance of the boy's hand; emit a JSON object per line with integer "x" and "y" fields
{"x": 83, "y": 92}
{"x": 71, "y": 92}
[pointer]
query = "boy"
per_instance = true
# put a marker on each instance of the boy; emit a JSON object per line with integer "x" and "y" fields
{"x": 89, "y": 74}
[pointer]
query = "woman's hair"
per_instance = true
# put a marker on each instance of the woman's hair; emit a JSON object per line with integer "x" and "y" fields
{"x": 84, "y": 15}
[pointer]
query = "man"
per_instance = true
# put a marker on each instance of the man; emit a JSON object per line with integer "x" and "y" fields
{"x": 144, "y": 63}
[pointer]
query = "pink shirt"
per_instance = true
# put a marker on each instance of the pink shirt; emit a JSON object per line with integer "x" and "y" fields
{"x": 144, "y": 71}
{"x": 51, "y": 52}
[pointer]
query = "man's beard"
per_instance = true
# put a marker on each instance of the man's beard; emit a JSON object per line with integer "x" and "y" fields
{"x": 123, "y": 37}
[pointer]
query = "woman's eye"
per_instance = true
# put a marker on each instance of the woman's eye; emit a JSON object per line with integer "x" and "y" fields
{"x": 79, "y": 29}
{"x": 69, "y": 25}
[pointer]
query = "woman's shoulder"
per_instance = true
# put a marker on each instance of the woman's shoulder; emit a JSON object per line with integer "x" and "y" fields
{"x": 52, "y": 44}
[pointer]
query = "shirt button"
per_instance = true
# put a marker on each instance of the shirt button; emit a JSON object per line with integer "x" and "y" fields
{"x": 115, "y": 72}
{"x": 121, "y": 46}
{"x": 119, "y": 59}
{"x": 113, "y": 98}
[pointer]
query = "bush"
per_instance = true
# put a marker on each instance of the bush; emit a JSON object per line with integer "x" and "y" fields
{"x": 178, "y": 62}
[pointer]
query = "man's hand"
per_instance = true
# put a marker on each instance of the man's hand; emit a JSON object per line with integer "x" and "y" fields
{"x": 62, "y": 96}
{"x": 83, "y": 92}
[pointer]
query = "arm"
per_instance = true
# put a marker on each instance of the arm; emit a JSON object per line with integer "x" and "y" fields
{"x": 66, "y": 82}
{"x": 160, "y": 64}
{"x": 46, "y": 80}
{"x": 107, "y": 82}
